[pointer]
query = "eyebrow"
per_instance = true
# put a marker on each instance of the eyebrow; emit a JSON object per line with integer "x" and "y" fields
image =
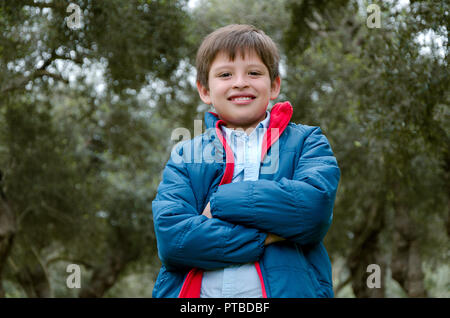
{"x": 231, "y": 66}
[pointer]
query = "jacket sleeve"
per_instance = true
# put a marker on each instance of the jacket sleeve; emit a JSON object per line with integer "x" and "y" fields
{"x": 300, "y": 209}
{"x": 187, "y": 239}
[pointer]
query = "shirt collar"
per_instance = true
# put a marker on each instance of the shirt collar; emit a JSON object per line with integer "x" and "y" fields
{"x": 264, "y": 124}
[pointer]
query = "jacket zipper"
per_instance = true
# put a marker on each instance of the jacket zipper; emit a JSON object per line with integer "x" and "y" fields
{"x": 191, "y": 287}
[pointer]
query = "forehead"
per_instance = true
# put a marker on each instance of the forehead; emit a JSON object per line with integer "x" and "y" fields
{"x": 224, "y": 59}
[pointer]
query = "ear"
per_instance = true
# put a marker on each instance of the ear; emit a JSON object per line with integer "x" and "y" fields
{"x": 275, "y": 88}
{"x": 204, "y": 93}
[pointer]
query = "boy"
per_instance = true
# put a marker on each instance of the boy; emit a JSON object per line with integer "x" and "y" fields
{"x": 250, "y": 225}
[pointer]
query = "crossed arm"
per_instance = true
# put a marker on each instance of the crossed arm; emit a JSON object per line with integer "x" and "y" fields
{"x": 271, "y": 238}
{"x": 241, "y": 218}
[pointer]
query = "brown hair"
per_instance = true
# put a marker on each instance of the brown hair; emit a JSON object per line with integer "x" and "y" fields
{"x": 233, "y": 38}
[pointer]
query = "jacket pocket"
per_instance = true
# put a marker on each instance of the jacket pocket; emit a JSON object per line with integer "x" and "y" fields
{"x": 311, "y": 274}
{"x": 162, "y": 278}
{"x": 287, "y": 272}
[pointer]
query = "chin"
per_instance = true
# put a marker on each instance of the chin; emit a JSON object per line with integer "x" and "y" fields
{"x": 243, "y": 122}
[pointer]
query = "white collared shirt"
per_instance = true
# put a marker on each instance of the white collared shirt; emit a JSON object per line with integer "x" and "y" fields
{"x": 239, "y": 280}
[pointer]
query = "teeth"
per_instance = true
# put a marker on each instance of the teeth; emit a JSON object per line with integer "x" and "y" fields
{"x": 242, "y": 98}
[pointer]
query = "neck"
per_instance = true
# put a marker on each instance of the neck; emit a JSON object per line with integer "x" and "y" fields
{"x": 247, "y": 128}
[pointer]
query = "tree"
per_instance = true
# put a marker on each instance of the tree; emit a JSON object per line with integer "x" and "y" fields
{"x": 79, "y": 163}
{"x": 380, "y": 100}
{"x": 86, "y": 116}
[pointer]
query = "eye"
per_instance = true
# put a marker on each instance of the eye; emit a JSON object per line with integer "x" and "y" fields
{"x": 226, "y": 74}
{"x": 255, "y": 73}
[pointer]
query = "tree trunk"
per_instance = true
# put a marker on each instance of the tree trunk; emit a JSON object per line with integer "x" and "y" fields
{"x": 365, "y": 251}
{"x": 406, "y": 262}
{"x": 34, "y": 281}
{"x": 447, "y": 186}
{"x": 7, "y": 232}
{"x": 106, "y": 275}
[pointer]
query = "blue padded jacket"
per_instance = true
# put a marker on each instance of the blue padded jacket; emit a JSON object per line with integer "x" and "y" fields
{"x": 293, "y": 198}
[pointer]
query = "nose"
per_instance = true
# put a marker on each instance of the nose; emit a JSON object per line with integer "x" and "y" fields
{"x": 240, "y": 81}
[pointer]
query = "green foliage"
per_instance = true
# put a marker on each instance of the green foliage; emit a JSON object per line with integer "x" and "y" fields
{"x": 86, "y": 117}
{"x": 382, "y": 100}
{"x": 80, "y": 167}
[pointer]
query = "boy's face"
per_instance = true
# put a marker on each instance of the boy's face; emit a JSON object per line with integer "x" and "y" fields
{"x": 239, "y": 90}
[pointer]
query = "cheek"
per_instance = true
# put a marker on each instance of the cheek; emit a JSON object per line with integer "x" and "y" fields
{"x": 264, "y": 86}
{"x": 217, "y": 90}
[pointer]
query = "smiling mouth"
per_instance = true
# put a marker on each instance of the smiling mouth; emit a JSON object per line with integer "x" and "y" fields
{"x": 241, "y": 98}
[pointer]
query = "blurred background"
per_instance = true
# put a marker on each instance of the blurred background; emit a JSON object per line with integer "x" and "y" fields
{"x": 90, "y": 94}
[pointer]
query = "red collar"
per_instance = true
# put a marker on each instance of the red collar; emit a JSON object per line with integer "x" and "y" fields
{"x": 280, "y": 116}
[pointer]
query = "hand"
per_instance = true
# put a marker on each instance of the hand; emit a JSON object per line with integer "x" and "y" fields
{"x": 272, "y": 238}
{"x": 207, "y": 211}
